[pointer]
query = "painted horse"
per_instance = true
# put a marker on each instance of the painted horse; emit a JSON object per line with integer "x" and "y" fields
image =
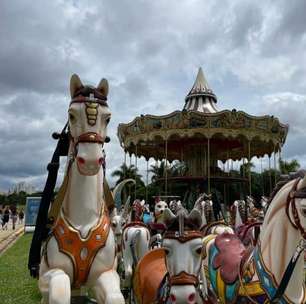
{"x": 172, "y": 274}
{"x": 80, "y": 250}
{"x": 135, "y": 242}
{"x": 238, "y": 275}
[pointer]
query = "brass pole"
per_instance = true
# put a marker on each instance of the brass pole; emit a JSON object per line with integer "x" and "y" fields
{"x": 262, "y": 178}
{"x": 136, "y": 171}
{"x": 166, "y": 163}
{"x": 208, "y": 167}
{"x": 274, "y": 165}
{"x": 270, "y": 177}
{"x": 249, "y": 162}
{"x": 147, "y": 180}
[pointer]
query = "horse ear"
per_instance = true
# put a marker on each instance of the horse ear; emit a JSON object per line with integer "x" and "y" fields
{"x": 195, "y": 218}
{"x": 75, "y": 84}
{"x": 169, "y": 216}
{"x": 303, "y": 183}
{"x": 103, "y": 87}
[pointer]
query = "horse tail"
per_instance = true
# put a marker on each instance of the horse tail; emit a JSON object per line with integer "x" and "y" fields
{"x": 133, "y": 246}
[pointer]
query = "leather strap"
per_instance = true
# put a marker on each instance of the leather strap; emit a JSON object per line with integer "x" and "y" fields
{"x": 293, "y": 194}
{"x": 89, "y": 137}
{"x": 184, "y": 278}
{"x": 185, "y": 237}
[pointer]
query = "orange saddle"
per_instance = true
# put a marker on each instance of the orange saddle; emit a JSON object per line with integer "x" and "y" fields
{"x": 148, "y": 276}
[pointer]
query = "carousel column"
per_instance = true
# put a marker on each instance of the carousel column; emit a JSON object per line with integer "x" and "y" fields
{"x": 274, "y": 165}
{"x": 262, "y": 178}
{"x": 147, "y": 180}
{"x": 270, "y": 176}
{"x": 208, "y": 165}
{"x": 249, "y": 168}
{"x": 166, "y": 166}
{"x": 136, "y": 152}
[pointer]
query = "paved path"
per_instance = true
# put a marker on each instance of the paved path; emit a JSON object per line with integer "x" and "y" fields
{"x": 7, "y": 237}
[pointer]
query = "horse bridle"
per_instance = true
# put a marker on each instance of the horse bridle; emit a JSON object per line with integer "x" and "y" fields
{"x": 94, "y": 97}
{"x": 183, "y": 278}
{"x": 293, "y": 194}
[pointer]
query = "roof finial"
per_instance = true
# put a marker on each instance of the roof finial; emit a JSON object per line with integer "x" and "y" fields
{"x": 201, "y": 98}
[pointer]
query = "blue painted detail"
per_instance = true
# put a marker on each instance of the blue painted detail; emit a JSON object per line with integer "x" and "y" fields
{"x": 230, "y": 290}
{"x": 147, "y": 218}
{"x": 213, "y": 251}
{"x": 265, "y": 278}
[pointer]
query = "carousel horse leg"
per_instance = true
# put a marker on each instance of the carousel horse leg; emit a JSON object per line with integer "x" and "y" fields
{"x": 55, "y": 287}
{"x": 107, "y": 288}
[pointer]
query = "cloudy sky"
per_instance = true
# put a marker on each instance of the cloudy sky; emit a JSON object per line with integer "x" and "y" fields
{"x": 252, "y": 53}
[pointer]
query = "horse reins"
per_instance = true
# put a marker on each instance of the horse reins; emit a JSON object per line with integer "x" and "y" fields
{"x": 88, "y": 95}
{"x": 182, "y": 278}
{"x": 296, "y": 223}
{"x": 293, "y": 194}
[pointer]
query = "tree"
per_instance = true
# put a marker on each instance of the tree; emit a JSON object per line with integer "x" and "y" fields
{"x": 158, "y": 171}
{"x": 126, "y": 172}
{"x": 287, "y": 167}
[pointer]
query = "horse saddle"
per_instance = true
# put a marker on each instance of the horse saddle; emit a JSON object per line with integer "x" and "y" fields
{"x": 149, "y": 274}
{"x": 231, "y": 251}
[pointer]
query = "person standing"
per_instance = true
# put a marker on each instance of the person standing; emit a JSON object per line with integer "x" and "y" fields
{"x": 14, "y": 216}
{"x": 6, "y": 218}
{"x": 21, "y": 216}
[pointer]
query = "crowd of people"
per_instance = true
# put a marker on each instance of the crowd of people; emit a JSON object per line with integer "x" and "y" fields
{"x": 10, "y": 213}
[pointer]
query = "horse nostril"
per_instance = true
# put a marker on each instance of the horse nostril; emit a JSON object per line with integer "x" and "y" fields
{"x": 81, "y": 160}
{"x": 191, "y": 297}
{"x": 172, "y": 298}
{"x": 100, "y": 161}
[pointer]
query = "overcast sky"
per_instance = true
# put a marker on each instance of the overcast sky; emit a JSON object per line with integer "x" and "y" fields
{"x": 252, "y": 53}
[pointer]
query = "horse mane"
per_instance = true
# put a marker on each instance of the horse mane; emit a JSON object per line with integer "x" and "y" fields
{"x": 284, "y": 179}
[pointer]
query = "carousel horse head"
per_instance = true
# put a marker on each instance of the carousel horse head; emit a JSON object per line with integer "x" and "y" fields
{"x": 175, "y": 206}
{"x": 117, "y": 222}
{"x": 89, "y": 116}
{"x": 183, "y": 247}
{"x": 159, "y": 208}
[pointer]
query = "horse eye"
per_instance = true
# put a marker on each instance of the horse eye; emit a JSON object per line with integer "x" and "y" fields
{"x": 199, "y": 250}
{"x": 107, "y": 120}
{"x": 114, "y": 225}
{"x": 167, "y": 251}
{"x": 72, "y": 117}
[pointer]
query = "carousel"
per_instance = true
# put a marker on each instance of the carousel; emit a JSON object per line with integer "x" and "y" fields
{"x": 81, "y": 238}
{"x": 205, "y": 141}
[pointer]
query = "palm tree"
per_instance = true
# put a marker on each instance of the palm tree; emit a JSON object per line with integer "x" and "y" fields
{"x": 158, "y": 171}
{"x": 287, "y": 167}
{"x": 246, "y": 168}
{"x": 127, "y": 172}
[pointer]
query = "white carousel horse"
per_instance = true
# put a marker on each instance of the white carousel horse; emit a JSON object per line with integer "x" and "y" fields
{"x": 235, "y": 275}
{"x": 175, "y": 206}
{"x": 135, "y": 242}
{"x": 205, "y": 206}
{"x": 264, "y": 203}
{"x": 171, "y": 274}
{"x": 159, "y": 209}
{"x": 81, "y": 248}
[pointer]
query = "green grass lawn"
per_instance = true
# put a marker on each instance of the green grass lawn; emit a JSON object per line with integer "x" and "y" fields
{"x": 16, "y": 285}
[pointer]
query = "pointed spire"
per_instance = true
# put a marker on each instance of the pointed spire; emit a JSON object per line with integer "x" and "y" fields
{"x": 201, "y": 98}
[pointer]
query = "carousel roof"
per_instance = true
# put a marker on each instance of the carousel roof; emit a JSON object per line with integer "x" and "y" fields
{"x": 229, "y": 131}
